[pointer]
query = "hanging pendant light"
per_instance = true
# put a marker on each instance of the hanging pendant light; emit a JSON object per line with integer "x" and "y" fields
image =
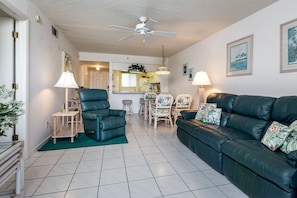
{"x": 163, "y": 70}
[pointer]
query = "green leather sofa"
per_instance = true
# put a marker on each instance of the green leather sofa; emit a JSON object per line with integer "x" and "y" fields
{"x": 234, "y": 147}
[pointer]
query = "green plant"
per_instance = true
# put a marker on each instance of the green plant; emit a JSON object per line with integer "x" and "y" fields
{"x": 10, "y": 110}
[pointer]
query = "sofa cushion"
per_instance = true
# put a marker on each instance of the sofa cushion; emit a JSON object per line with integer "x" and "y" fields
{"x": 292, "y": 158}
{"x": 270, "y": 165}
{"x": 284, "y": 110}
{"x": 275, "y": 135}
{"x": 214, "y": 136}
{"x": 223, "y": 100}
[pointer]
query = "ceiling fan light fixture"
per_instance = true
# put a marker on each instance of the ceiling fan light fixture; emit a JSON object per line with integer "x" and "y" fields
{"x": 163, "y": 70}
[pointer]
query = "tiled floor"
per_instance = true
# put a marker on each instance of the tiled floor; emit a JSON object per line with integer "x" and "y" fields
{"x": 153, "y": 164}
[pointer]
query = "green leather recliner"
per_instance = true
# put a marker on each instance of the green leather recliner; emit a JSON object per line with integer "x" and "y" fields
{"x": 100, "y": 122}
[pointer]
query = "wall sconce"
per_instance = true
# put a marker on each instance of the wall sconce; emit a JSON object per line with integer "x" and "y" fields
{"x": 201, "y": 79}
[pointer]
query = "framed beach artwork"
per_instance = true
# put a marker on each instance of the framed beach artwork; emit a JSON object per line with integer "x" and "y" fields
{"x": 185, "y": 69}
{"x": 288, "y": 59}
{"x": 66, "y": 62}
{"x": 190, "y": 74}
{"x": 240, "y": 56}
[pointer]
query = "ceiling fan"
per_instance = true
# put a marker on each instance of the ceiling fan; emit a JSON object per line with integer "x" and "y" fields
{"x": 144, "y": 29}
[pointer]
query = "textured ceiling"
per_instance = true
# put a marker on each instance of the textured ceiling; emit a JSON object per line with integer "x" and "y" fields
{"x": 86, "y": 22}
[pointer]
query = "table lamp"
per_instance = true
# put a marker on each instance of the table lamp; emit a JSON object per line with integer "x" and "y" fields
{"x": 66, "y": 81}
{"x": 201, "y": 79}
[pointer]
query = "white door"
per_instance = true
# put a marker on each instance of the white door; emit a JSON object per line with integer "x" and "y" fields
{"x": 6, "y": 59}
{"x": 99, "y": 79}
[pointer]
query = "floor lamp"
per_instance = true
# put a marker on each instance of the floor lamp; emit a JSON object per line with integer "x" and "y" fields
{"x": 201, "y": 79}
{"x": 66, "y": 81}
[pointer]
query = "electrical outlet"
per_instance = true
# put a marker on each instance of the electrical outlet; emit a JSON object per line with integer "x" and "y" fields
{"x": 46, "y": 124}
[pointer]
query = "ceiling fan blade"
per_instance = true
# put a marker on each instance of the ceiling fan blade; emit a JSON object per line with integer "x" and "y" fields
{"x": 148, "y": 39}
{"x": 122, "y": 27}
{"x": 150, "y": 23}
{"x": 162, "y": 33}
{"x": 127, "y": 37}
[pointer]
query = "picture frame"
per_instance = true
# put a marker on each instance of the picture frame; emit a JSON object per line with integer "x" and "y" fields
{"x": 288, "y": 46}
{"x": 185, "y": 69}
{"x": 240, "y": 56}
{"x": 66, "y": 62}
{"x": 190, "y": 74}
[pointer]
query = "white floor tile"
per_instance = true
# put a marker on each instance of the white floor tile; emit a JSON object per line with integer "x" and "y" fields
{"x": 114, "y": 191}
{"x": 171, "y": 184}
{"x": 54, "y": 184}
{"x": 162, "y": 169}
{"x": 85, "y": 180}
{"x": 63, "y": 169}
{"x": 196, "y": 180}
{"x": 144, "y": 189}
{"x": 113, "y": 176}
{"x": 85, "y": 192}
{"x": 35, "y": 172}
{"x": 139, "y": 172}
{"x": 89, "y": 166}
{"x": 232, "y": 192}
{"x": 209, "y": 193}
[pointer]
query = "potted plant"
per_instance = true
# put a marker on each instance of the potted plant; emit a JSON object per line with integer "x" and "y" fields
{"x": 10, "y": 109}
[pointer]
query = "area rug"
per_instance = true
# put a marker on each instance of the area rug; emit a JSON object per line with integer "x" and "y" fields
{"x": 81, "y": 141}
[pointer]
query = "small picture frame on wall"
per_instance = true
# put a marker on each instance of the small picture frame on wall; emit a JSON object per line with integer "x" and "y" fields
{"x": 185, "y": 69}
{"x": 240, "y": 56}
{"x": 66, "y": 62}
{"x": 288, "y": 59}
{"x": 190, "y": 74}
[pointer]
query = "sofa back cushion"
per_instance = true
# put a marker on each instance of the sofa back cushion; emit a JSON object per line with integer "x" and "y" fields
{"x": 285, "y": 110}
{"x": 251, "y": 114}
{"x": 225, "y": 102}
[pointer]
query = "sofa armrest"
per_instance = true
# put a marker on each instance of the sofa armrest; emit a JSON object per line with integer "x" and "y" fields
{"x": 188, "y": 114}
{"x": 91, "y": 116}
{"x": 117, "y": 112}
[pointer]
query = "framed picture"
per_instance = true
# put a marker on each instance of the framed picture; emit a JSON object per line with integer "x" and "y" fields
{"x": 288, "y": 59}
{"x": 66, "y": 62}
{"x": 185, "y": 69}
{"x": 190, "y": 74}
{"x": 240, "y": 56}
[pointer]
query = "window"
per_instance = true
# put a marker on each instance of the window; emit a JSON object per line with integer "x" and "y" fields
{"x": 128, "y": 80}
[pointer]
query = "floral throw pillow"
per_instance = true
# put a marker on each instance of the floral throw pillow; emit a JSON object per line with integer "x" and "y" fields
{"x": 203, "y": 109}
{"x": 208, "y": 113}
{"x": 290, "y": 143}
{"x": 275, "y": 135}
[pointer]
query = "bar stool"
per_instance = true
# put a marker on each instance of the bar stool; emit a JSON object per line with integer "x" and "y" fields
{"x": 127, "y": 104}
{"x": 141, "y": 108}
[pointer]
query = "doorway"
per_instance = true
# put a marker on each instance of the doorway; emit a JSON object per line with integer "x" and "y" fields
{"x": 94, "y": 74}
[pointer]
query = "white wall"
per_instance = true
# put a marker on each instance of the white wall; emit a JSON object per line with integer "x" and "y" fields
{"x": 39, "y": 74}
{"x": 210, "y": 55}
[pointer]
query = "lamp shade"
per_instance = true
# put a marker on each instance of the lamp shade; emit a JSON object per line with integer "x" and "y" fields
{"x": 66, "y": 80}
{"x": 201, "y": 78}
{"x": 162, "y": 71}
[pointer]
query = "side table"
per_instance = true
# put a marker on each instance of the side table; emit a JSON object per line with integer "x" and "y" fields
{"x": 61, "y": 131}
{"x": 12, "y": 163}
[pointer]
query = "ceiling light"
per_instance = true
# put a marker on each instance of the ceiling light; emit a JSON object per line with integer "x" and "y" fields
{"x": 163, "y": 70}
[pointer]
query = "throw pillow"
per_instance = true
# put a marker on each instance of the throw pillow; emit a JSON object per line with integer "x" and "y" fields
{"x": 213, "y": 116}
{"x": 275, "y": 135}
{"x": 290, "y": 143}
{"x": 203, "y": 110}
